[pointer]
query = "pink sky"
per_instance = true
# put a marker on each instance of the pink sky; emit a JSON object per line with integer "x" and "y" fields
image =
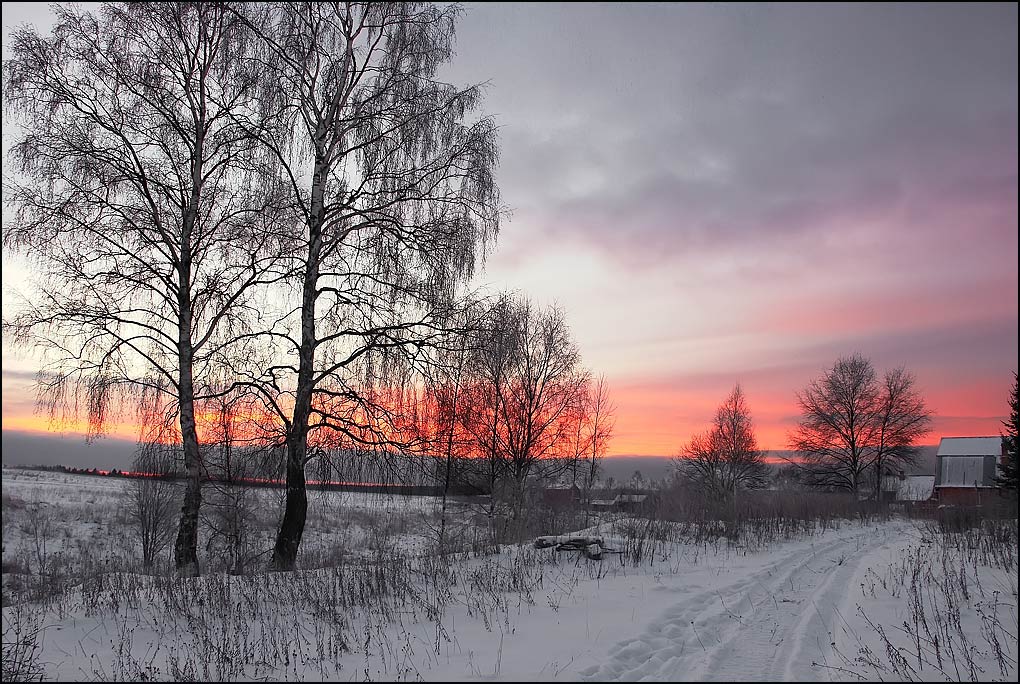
{"x": 743, "y": 193}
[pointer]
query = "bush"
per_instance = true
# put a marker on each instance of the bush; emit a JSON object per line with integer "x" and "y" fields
{"x": 20, "y": 659}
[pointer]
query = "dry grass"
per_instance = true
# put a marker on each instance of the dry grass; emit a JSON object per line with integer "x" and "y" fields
{"x": 374, "y": 584}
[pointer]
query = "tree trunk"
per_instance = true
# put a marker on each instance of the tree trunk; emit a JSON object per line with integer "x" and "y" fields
{"x": 288, "y": 540}
{"x": 449, "y": 453}
{"x": 186, "y": 546}
{"x": 292, "y": 527}
{"x": 518, "y": 510}
{"x": 446, "y": 489}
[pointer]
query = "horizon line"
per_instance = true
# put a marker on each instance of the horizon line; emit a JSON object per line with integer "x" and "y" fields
{"x": 125, "y": 441}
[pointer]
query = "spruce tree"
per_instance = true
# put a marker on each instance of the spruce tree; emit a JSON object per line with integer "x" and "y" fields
{"x": 1007, "y": 478}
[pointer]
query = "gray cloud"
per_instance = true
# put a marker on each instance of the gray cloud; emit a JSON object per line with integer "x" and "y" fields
{"x": 19, "y": 375}
{"x": 26, "y": 448}
{"x": 655, "y": 130}
{"x": 760, "y": 154}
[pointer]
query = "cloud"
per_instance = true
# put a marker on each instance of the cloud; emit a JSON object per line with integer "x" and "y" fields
{"x": 744, "y": 192}
{"x": 19, "y": 375}
{"x": 663, "y": 133}
{"x": 27, "y": 448}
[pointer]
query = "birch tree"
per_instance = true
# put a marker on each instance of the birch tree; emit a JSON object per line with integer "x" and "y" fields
{"x": 394, "y": 182}
{"x": 143, "y": 205}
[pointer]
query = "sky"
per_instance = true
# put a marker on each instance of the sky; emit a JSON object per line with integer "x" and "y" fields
{"x": 743, "y": 193}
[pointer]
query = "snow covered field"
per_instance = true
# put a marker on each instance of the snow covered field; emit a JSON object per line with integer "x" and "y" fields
{"x": 888, "y": 599}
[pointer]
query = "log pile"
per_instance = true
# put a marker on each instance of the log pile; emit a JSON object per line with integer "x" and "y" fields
{"x": 591, "y": 547}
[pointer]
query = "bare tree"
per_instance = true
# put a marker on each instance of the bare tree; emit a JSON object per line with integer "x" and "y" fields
{"x": 529, "y": 389}
{"x": 489, "y": 369}
{"x": 852, "y": 425}
{"x": 152, "y": 502}
{"x": 144, "y": 203}
{"x": 637, "y": 480}
{"x": 396, "y": 193}
{"x": 902, "y": 419}
{"x": 726, "y": 457}
{"x": 446, "y": 403}
{"x": 593, "y": 430}
{"x": 832, "y": 439}
{"x": 235, "y": 452}
{"x": 152, "y": 494}
{"x": 599, "y": 419}
{"x": 547, "y": 384}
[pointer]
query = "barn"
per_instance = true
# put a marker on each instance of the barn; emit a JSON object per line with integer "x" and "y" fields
{"x": 965, "y": 469}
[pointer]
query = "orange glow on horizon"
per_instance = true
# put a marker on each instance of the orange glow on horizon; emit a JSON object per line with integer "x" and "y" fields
{"x": 657, "y": 420}
{"x": 657, "y": 417}
{"x": 42, "y": 425}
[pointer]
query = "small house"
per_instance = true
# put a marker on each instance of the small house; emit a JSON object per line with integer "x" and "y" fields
{"x": 561, "y": 496}
{"x": 890, "y": 487}
{"x": 621, "y": 503}
{"x": 965, "y": 469}
{"x": 630, "y": 503}
{"x": 916, "y": 488}
{"x": 602, "y": 505}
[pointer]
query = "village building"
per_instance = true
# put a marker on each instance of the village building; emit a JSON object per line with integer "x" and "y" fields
{"x": 965, "y": 469}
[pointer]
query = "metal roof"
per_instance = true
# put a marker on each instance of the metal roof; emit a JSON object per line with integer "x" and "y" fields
{"x": 970, "y": 446}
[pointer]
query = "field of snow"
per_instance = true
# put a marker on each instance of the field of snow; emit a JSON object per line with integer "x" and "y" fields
{"x": 874, "y": 599}
{"x": 85, "y": 517}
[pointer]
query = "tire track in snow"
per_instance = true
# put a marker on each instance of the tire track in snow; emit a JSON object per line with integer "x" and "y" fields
{"x": 769, "y": 625}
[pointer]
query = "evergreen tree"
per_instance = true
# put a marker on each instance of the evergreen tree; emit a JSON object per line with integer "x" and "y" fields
{"x": 1007, "y": 478}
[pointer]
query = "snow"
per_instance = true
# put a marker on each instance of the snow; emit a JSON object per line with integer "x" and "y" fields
{"x": 790, "y": 610}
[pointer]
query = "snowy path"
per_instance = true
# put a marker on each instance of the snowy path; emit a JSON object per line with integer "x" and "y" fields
{"x": 769, "y": 625}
